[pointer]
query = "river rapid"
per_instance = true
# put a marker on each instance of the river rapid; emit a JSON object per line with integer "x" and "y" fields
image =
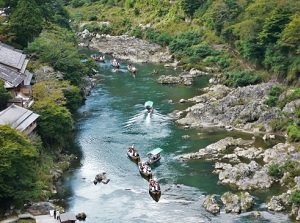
{"x": 112, "y": 119}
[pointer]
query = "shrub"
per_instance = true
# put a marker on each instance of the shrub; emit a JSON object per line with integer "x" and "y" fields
{"x": 293, "y": 132}
{"x": 280, "y": 125}
{"x": 92, "y": 18}
{"x": 294, "y": 198}
{"x": 243, "y": 78}
{"x": 273, "y": 96}
{"x": 77, "y": 3}
{"x": 275, "y": 170}
{"x": 271, "y": 101}
{"x": 137, "y": 32}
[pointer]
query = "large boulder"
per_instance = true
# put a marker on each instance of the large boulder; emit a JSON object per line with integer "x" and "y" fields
{"x": 101, "y": 178}
{"x": 237, "y": 203}
{"x": 210, "y": 204}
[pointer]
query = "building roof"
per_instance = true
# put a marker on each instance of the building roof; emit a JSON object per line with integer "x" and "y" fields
{"x": 12, "y": 57}
{"x": 10, "y": 77}
{"x": 66, "y": 217}
{"x": 17, "y": 117}
{"x": 28, "y": 78}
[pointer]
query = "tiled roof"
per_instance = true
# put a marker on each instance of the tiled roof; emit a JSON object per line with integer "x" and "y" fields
{"x": 11, "y": 57}
{"x": 17, "y": 117}
{"x": 10, "y": 77}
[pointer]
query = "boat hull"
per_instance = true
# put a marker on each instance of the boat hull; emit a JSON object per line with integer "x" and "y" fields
{"x": 133, "y": 158}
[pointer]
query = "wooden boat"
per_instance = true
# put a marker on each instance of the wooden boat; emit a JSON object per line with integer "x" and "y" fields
{"x": 154, "y": 187}
{"x": 133, "y": 153}
{"x": 114, "y": 63}
{"x": 145, "y": 170}
{"x": 149, "y": 106}
{"x": 154, "y": 156}
{"x": 98, "y": 58}
{"x": 132, "y": 69}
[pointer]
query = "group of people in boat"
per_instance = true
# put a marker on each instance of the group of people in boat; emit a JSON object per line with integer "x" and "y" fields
{"x": 98, "y": 58}
{"x": 133, "y": 152}
{"x": 115, "y": 63}
{"x": 153, "y": 158}
{"x": 145, "y": 168}
{"x": 154, "y": 185}
{"x": 132, "y": 68}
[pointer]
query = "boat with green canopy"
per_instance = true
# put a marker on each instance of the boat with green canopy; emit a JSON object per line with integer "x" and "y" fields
{"x": 149, "y": 106}
{"x": 154, "y": 155}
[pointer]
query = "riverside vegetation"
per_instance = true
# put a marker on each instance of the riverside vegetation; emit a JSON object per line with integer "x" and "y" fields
{"x": 239, "y": 42}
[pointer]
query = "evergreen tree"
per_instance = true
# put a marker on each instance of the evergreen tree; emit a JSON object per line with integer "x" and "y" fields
{"x": 26, "y": 21}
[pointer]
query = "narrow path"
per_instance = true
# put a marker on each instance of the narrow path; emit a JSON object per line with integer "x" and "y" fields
{"x": 39, "y": 219}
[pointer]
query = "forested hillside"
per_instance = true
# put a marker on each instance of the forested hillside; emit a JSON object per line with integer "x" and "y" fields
{"x": 231, "y": 34}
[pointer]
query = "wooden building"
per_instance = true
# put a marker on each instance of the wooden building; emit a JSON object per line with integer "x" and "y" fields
{"x": 19, "y": 118}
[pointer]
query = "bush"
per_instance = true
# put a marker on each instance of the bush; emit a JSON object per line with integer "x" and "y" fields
{"x": 280, "y": 125}
{"x": 293, "y": 132}
{"x": 294, "y": 198}
{"x": 271, "y": 101}
{"x": 275, "y": 170}
{"x": 77, "y": 3}
{"x": 92, "y": 18}
{"x": 243, "y": 78}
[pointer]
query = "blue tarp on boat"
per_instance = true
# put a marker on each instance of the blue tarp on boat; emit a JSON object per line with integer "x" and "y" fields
{"x": 155, "y": 151}
{"x": 148, "y": 103}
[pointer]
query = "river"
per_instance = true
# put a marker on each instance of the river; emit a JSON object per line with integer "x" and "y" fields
{"x": 113, "y": 118}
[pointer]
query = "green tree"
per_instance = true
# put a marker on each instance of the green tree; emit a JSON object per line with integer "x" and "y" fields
{"x": 4, "y": 96}
{"x": 55, "y": 121}
{"x": 51, "y": 89}
{"x": 17, "y": 167}
{"x": 291, "y": 35}
{"x": 73, "y": 96}
{"x": 190, "y": 6}
{"x": 274, "y": 25}
{"x": 26, "y": 21}
{"x": 58, "y": 47}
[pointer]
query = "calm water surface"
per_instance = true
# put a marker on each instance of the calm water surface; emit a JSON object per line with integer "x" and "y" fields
{"x": 112, "y": 119}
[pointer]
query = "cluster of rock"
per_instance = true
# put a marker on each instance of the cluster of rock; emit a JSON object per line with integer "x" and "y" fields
{"x": 238, "y": 162}
{"x": 252, "y": 173}
{"x": 234, "y": 203}
{"x": 101, "y": 178}
{"x": 185, "y": 78}
{"x": 125, "y": 47}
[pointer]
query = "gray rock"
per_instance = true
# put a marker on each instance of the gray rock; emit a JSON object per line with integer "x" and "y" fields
{"x": 237, "y": 203}
{"x": 210, "y": 204}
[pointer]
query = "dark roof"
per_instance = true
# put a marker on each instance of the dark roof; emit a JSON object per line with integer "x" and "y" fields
{"x": 10, "y": 77}
{"x": 17, "y": 117}
{"x": 11, "y": 57}
{"x": 28, "y": 78}
{"x": 65, "y": 217}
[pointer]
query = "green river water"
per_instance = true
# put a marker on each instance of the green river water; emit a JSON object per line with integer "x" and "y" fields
{"x": 114, "y": 118}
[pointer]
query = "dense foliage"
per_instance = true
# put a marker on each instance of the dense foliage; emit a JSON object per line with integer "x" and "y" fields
{"x": 258, "y": 34}
{"x": 28, "y": 17}
{"x": 4, "y": 96}
{"x": 17, "y": 170}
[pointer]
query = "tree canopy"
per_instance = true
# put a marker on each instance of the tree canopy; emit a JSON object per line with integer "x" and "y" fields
{"x": 17, "y": 166}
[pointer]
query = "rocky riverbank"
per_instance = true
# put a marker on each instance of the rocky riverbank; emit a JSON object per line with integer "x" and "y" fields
{"x": 239, "y": 163}
{"x": 125, "y": 47}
